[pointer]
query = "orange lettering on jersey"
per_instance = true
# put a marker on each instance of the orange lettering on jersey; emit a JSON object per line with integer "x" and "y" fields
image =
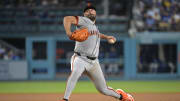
{"x": 93, "y": 32}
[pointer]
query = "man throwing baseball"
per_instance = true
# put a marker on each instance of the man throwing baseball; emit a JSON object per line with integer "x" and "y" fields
{"x": 85, "y": 58}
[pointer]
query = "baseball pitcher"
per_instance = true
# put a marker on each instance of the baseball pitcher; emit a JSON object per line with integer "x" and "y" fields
{"x": 85, "y": 58}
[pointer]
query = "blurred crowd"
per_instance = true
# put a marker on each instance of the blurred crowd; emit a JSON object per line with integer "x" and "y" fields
{"x": 157, "y": 15}
{"x": 10, "y": 54}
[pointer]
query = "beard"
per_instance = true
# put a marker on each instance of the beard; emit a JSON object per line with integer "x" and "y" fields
{"x": 91, "y": 17}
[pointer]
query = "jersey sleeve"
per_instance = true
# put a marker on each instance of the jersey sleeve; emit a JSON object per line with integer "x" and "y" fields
{"x": 80, "y": 21}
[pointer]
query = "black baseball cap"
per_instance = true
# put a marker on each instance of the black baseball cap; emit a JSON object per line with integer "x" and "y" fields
{"x": 89, "y": 7}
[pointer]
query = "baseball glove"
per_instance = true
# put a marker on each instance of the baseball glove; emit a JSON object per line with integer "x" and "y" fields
{"x": 80, "y": 35}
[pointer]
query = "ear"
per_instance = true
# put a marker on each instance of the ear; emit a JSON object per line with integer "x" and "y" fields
{"x": 85, "y": 14}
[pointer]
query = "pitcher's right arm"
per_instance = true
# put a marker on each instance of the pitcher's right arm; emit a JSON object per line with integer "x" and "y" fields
{"x": 68, "y": 21}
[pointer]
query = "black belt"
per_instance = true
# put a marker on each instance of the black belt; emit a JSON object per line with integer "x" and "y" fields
{"x": 91, "y": 58}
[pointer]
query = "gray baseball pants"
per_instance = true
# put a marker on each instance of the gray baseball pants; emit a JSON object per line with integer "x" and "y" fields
{"x": 79, "y": 65}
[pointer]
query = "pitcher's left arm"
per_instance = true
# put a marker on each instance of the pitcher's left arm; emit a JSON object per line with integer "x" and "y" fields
{"x": 108, "y": 38}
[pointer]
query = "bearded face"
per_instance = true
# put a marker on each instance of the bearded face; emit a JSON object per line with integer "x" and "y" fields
{"x": 91, "y": 14}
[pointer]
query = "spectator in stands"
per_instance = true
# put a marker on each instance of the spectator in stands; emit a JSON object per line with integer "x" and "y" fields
{"x": 138, "y": 11}
{"x": 154, "y": 65}
{"x": 150, "y": 23}
{"x": 5, "y": 55}
{"x": 157, "y": 17}
{"x": 172, "y": 67}
{"x": 152, "y": 18}
{"x": 11, "y": 55}
{"x": 175, "y": 21}
{"x": 165, "y": 22}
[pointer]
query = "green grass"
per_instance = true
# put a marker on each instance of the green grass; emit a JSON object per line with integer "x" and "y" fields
{"x": 88, "y": 87}
{"x": 148, "y": 86}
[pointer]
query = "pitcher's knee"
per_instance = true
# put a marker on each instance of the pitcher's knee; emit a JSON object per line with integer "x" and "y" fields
{"x": 74, "y": 76}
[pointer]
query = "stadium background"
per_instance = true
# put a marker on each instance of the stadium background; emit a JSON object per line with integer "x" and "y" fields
{"x": 35, "y": 51}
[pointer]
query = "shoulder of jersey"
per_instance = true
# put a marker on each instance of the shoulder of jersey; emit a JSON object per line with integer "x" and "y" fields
{"x": 82, "y": 17}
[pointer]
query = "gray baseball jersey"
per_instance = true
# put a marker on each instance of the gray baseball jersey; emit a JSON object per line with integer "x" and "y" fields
{"x": 89, "y": 47}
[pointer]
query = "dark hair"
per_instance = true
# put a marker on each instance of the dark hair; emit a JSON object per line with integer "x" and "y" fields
{"x": 89, "y": 7}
